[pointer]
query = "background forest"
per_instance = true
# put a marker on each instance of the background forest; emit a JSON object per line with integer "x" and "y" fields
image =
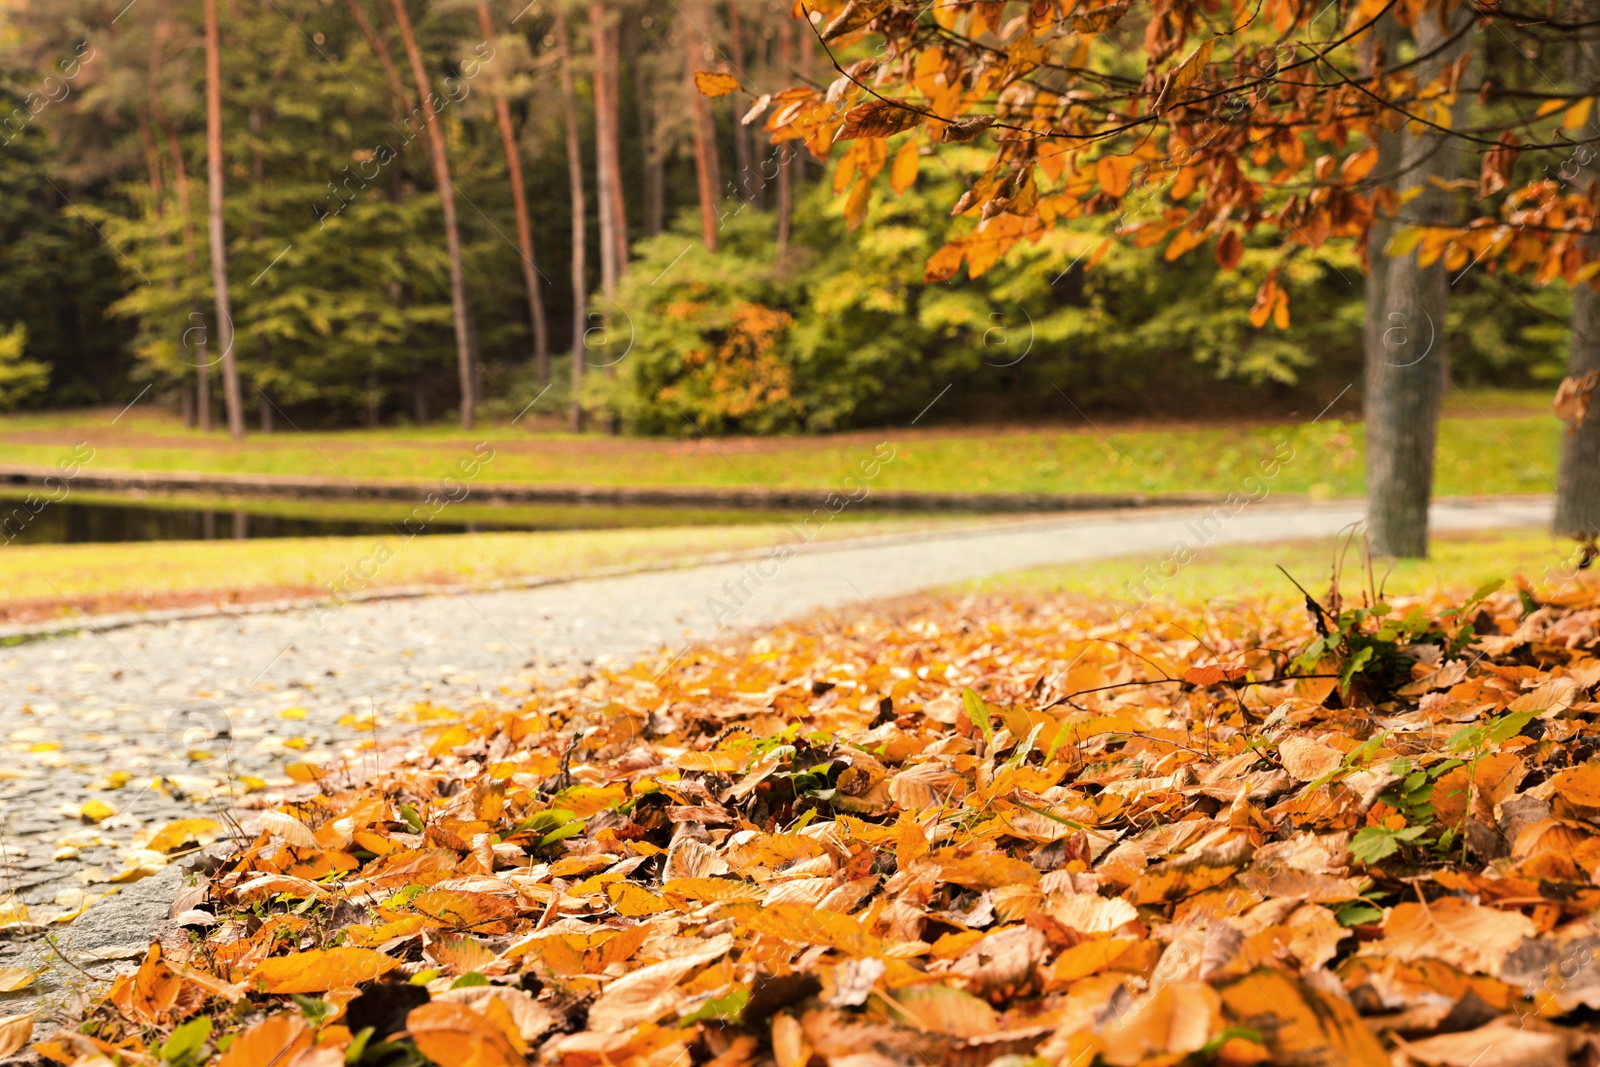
{"x": 340, "y": 268}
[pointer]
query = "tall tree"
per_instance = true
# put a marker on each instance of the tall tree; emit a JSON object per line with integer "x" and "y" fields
{"x": 746, "y": 184}
{"x": 519, "y": 203}
{"x": 219, "y": 250}
{"x": 605, "y": 141}
{"x": 786, "y": 160}
{"x": 608, "y": 160}
{"x": 708, "y": 178}
{"x": 613, "y": 80}
{"x": 466, "y": 355}
{"x": 1578, "y": 483}
{"x": 579, "y": 210}
{"x": 193, "y": 341}
{"x": 650, "y": 149}
{"x": 1408, "y": 355}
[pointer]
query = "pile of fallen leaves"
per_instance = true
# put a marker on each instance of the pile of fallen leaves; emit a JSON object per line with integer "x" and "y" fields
{"x": 992, "y": 831}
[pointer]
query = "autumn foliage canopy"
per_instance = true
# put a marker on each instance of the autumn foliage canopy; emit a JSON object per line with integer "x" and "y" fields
{"x": 1200, "y": 124}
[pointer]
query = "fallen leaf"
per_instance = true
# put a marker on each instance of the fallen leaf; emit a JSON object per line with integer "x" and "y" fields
{"x": 319, "y": 970}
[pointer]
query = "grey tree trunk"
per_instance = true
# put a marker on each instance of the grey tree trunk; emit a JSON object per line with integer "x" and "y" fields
{"x": 233, "y": 400}
{"x": 580, "y": 286}
{"x": 1578, "y": 483}
{"x": 1406, "y": 349}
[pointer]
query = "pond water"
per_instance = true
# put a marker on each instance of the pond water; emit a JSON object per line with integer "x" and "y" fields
{"x": 85, "y": 518}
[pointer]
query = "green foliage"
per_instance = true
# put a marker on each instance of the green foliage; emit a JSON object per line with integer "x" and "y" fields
{"x": 853, "y": 335}
{"x": 20, "y": 378}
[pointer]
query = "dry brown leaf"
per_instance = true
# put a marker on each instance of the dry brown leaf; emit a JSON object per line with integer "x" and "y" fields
{"x": 648, "y": 993}
{"x": 15, "y": 1031}
{"x": 288, "y": 829}
{"x": 1307, "y": 760}
{"x": 1468, "y": 936}
{"x": 15, "y": 978}
{"x": 1503, "y": 1043}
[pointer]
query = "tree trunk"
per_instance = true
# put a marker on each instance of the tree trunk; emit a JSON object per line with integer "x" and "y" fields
{"x": 655, "y": 171}
{"x": 466, "y": 361}
{"x": 1407, "y": 351}
{"x": 180, "y": 182}
{"x": 613, "y": 80}
{"x": 604, "y": 143}
{"x": 579, "y": 212}
{"x": 705, "y": 133}
{"x": 519, "y": 203}
{"x": 1578, "y": 483}
{"x": 786, "y": 157}
{"x": 746, "y": 185}
{"x": 231, "y": 397}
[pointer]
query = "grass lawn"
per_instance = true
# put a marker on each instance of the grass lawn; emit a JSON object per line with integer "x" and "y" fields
{"x": 1230, "y": 574}
{"x": 44, "y": 582}
{"x": 1490, "y": 442}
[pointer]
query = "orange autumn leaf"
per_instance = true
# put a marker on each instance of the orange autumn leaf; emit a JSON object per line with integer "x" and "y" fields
{"x": 274, "y": 1040}
{"x": 715, "y": 83}
{"x": 451, "y": 1033}
{"x": 319, "y": 970}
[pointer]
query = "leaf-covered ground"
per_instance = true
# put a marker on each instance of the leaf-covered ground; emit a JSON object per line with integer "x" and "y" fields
{"x": 990, "y": 830}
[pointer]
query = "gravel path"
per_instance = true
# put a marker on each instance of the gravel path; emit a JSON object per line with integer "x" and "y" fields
{"x": 144, "y": 703}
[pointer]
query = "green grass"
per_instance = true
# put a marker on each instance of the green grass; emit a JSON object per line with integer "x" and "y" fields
{"x": 1490, "y": 443}
{"x": 50, "y": 581}
{"x": 1458, "y": 564}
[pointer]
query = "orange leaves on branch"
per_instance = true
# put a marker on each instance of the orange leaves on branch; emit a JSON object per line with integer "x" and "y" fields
{"x": 856, "y": 15}
{"x": 877, "y": 118}
{"x": 1115, "y": 173}
{"x": 903, "y": 172}
{"x": 715, "y": 83}
{"x": 1230, "y": 250}
{"x": 1271, "y": 303}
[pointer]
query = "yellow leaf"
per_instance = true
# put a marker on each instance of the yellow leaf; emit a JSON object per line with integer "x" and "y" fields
{"x": 632, "y": 900}
{"x": 12, "y": 910}
{"x": 1549, "y": 107}
{"x": 303, "y": 773}
{"x": 904, "y": 172}
{"x": 855, "y": 208}
{"x": 1188, "y": 71}
{"x": 15, "y": 1030}
{"x": 1578, "y": 114}
{"x": 714, "y": 83}
{"x": 319, "y": 970}
{"x": 712, "y": 890}
{"x": 293, "y": 713}
{"x": 96, "y": 811}
{"x": 15, "y": 978}
{"x": 180, "y": 832}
